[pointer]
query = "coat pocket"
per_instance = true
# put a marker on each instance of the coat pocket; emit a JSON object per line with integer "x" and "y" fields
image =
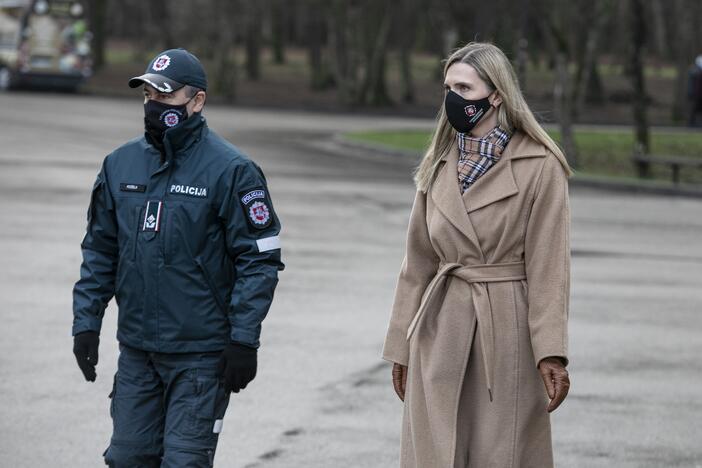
{"x": 208, "y": 407}
{"x": 111, "y": 396}
{"x": 211, "y": 285}
{"x": 97, "y": 189}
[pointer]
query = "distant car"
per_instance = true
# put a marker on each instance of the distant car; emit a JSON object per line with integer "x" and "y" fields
{"x": 44, "y": 43}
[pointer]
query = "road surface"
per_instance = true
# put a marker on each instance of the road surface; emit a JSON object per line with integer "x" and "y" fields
{"x": 322, "y": 397}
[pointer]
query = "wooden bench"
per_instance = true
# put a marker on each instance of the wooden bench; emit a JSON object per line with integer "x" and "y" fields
{"x": 643, "y": 161}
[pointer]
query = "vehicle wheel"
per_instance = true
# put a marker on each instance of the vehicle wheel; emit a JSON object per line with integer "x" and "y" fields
{"x": 6, "y": 81}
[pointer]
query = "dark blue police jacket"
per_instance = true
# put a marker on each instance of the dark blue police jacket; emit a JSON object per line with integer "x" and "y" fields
{"x": 188, "y": 247}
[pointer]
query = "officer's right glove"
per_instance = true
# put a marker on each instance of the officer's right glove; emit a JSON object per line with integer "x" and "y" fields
{"x": 237, "y": 366}
{"x": 85, "y": 348}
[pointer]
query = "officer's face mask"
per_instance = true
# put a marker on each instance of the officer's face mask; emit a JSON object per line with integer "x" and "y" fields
{"x": 159, "y": 117}
{"x": 464, "y": 114}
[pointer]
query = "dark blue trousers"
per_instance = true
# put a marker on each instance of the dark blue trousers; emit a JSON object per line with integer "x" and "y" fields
{"x": 166, "y": 409}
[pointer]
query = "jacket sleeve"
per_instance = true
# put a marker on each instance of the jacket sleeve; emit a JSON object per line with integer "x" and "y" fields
{"x": 547, "y": 259}
{"x": 96, "y": 285}
{"x": 253, "y": 244}
{"x": 418, "y": 268}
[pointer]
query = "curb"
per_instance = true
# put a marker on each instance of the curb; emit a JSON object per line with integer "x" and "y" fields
{"x": 585, "y": 181}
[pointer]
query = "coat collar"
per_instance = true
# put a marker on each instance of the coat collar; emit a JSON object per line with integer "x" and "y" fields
{"x": 497, "y": 184}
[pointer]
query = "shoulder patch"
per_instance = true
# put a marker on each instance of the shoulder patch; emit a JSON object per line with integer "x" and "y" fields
{"x": 257, "y": 207}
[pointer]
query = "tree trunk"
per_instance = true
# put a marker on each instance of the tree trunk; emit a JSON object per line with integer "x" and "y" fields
{"x": 253, "y": 40}
{"x": 319, "y": 76}
{"x": 279, "y": 30}
{"x": 563, "y": 111}
{"x": 658, "y": 17}
{"x": 595, "y": 92}
{"x": 161, "y": 29}
{"x": 587, "y": 73}
{"x": 638, "y": 37}
{"x": 345, "y": 76}
{"x": 225, "y": 69}
{"x": 374, "y": 89}
{"x": 407, "y": 38}
{"x": 522, "y": 45}
{"x": 557, "y": 45}
{"x": 97, "y": 18}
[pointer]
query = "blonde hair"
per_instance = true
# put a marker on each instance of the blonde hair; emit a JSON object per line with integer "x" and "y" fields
{"x": 493, "y": 68}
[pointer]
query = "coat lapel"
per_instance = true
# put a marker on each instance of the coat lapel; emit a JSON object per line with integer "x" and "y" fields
{"x": 495, "y": 185}
{"x": 447, "y": 196}
{"x": 498, "y": 183}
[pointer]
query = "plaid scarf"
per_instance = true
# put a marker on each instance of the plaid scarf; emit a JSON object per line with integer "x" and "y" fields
{"x": 477, "y": 155}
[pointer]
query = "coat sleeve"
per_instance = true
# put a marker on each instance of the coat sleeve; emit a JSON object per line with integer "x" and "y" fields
{"x": 96, "y": 285}
{"x": 547, "y": 259}
{"x": 252, "y": 230}
{"x": 418, "y": 268}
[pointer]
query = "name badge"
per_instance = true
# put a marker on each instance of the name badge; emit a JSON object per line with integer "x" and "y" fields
{"x": 132, "y": 188}
{"x": 152, "y": 216}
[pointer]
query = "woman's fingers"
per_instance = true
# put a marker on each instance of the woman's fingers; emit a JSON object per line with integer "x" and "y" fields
{"x": 404, "y": 381}
{"x": 556, "y": 379}
{"x": 399, "y": 379}
{"x": 562, "y": 385}
{"x": 548, "y": 380}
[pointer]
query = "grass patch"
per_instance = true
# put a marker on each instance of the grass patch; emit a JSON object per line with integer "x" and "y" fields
{"x": 606, "y": 153}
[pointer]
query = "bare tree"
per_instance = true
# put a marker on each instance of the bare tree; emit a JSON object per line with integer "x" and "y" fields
{"x": 254, "y": 25}
{"x": 97, "y": 18}
{"x": 587, "y": 84}
{"x": 320, "y": 77}
{"x": 160, "y": 29}
{"x": 555, "y": 28}
{"x": 279, "y": 29}
{"x": 522, "y": 45}
{"x": 407, "y": 36}
{"x": 377, "y": 27}
{"x": 341, "y": 45}
{"x": 637, "y": 31}
{"x": 225, "y": 66}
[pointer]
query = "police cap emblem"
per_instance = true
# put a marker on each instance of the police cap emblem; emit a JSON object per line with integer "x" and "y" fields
{"x": 161, "y": 63}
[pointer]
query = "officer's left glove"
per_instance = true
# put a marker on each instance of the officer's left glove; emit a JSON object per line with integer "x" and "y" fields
{"x": 85, "y": 348}
{"x": 237, "y": 366}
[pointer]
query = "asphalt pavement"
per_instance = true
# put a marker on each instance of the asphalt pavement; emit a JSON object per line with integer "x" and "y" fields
{"x": 323, "y": 397}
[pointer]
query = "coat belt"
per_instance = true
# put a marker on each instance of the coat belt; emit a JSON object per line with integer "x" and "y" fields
{"x": 477, "y": 276}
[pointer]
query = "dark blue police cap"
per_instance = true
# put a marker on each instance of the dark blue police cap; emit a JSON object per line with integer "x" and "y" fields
{"x": 171, "y": 70}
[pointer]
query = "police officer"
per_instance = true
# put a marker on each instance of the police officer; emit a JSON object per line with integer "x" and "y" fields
{"x": 182, "y": 232}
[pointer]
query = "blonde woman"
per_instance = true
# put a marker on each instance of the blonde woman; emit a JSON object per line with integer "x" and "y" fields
{"x": 478, "y": 332}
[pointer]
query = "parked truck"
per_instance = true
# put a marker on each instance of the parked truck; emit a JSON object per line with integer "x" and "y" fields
{"x": 44, "y": 43}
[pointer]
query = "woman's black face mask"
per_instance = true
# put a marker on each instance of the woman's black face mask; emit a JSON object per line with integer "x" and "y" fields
{"x": 159, "y": 117}
{"x": 464, "y": 114}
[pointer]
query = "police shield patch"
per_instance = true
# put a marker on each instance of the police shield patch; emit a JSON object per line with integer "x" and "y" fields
{"x": 257, "y": 207}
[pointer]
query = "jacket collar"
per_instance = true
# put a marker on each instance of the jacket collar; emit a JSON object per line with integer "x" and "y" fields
{"x": 180, "y": 138}
{"x": 496, "y": 184}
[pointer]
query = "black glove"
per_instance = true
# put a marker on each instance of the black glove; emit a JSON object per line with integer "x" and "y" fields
{"x": 85, "y": 348}
{"x": 237, "y": 366}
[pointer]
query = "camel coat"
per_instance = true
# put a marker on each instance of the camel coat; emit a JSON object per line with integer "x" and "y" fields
{"x": 482, "y": 297}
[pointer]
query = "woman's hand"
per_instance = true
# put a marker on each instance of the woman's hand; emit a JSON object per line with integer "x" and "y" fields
{"x": 556, "y": 379}
{"x": 399, "y": 379}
